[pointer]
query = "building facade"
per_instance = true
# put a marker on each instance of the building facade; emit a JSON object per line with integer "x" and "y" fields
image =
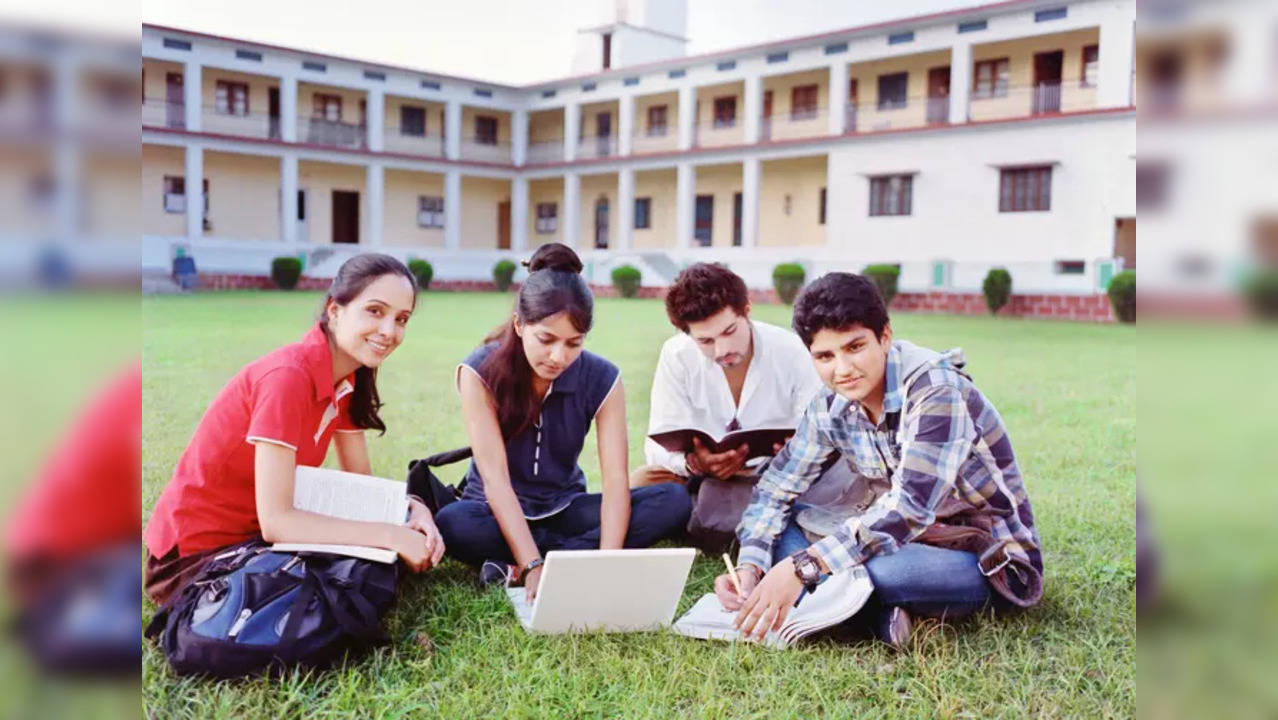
{"x": 999, "y": 135}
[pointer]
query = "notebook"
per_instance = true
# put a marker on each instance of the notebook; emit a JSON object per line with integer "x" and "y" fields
{"x": 349, "y": 496}
{"x": 836, "y": 599}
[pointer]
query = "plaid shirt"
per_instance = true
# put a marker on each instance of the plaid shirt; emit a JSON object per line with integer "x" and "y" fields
{"x": 937, "y": 438}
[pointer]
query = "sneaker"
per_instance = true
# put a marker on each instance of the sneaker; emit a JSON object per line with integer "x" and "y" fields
{"x": 493, "y": 572}
{"x": 895, "y": 628}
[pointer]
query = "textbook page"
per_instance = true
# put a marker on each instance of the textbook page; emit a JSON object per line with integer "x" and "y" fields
{"x": 349, "y": 496}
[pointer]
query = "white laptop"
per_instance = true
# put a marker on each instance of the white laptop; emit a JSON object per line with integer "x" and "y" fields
{"x": 605, "y": 590}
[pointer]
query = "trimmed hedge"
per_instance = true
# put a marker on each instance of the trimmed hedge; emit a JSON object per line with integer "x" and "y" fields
{"x": 286, "y": 271}
{"x": 1261, "y": 292}
{"x": 423, "y": 271}
{"x": 626, "y": 279}
{"x": 503, "y": 274}
{"x": 885, "y": 277}
{"x": 997, "y": 289}
{"x": 1122, "y": 295}
{"x": 787, "y": 280}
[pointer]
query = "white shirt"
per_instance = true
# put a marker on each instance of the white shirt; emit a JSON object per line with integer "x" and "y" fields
{"x": 690, "y": 390}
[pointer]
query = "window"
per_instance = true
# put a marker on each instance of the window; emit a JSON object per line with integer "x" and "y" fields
{"x": 891, "y": 195}
{"x": 1071, "y": 267}
{"x": 327, "y": 107}
{"x": 430, "y": 211}
{"x": 1152, "y": 185}
{"x": 1025, "y": 189}
{"x": 892, "y": 90}
{"x": 990, "y": 79}
{"x": 1091, "y": 65}
{"x": 547, "y": 218}
{"x": 412, "y": 121}
{"x": 803, "y": 102}
{"x": 231, "y": 98}
{"x": 175, "y": 195}
{"x": 658, "y": 123}
{"x": 485, "y": 130}
{"x": 821, "y": 212}
{"x": 643, "y": 213}
{"x": 725, "y": 111}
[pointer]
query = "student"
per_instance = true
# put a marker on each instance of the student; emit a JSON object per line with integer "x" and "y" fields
{"x": 952, "y": 531}
{"x": 235, "y": 479}
{"x": 529, "y": 395}
{"x": 725, "y": 371}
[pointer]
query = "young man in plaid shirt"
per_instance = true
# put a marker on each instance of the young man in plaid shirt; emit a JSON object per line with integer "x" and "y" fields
{"x": 944, "y": 526}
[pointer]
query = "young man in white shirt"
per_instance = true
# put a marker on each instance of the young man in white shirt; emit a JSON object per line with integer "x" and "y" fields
{"x": 724, "y": 372}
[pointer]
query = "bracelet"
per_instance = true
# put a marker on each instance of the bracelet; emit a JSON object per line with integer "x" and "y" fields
{"x": 532, "y": 565}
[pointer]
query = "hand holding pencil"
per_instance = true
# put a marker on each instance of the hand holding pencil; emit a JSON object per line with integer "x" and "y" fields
{"x": 734, "y": 586}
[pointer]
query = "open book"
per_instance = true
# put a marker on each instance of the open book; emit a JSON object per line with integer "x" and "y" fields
{"x": 349, "y": 496}
{"x": 836, "y": 599}
{"x": 759, "y": 440}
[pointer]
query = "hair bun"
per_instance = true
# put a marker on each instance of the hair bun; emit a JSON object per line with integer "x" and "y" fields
{"x": 554, "y": 256}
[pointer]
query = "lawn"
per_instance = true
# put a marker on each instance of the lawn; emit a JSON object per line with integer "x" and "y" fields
{"x": 1065, "y": 390}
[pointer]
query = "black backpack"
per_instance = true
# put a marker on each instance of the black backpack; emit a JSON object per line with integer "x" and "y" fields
{"x": 423, "y": 483}
{"x": 251, "y": 610}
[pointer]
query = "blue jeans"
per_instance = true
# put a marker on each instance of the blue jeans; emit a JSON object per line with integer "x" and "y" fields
{"x": 472, "y": 535}
{"x": 925, "y": 580}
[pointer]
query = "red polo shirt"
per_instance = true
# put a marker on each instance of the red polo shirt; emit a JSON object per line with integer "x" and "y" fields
{"x": 285, "y": 397}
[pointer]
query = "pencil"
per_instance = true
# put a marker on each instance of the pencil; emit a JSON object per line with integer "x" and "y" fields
{"x": 732, "y": 573}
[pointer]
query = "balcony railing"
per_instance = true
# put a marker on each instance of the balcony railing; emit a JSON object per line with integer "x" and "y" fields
{"x": 596, "y": 146}
{"x": 896, "y": 114}
{"x": 164, "y": 114}
{"x": 319, "y": 131}
{"x": 254, "y": 125}
{"x": 485, "y": 149}
{"x": 545, "y": 151}
{"x": 396, "y": 141}
{"x": 718, "y": 133}
{"x": 808, "y": 122}
{"x": 1030, "y": 100}
{"x": 652, "y": 140}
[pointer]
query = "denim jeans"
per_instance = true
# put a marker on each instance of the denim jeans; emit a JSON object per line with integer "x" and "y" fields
{"x": 925, "y": 580}
{"x": 472, "y": 535}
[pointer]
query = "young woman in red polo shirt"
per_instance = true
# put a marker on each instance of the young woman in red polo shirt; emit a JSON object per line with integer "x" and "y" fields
{"x": 235, "y": 479}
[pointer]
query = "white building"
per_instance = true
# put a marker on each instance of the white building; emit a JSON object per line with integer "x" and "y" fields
{"x": 998, "y": 135}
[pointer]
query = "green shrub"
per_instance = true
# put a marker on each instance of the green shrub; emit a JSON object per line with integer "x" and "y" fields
{"x": 286, "y": 271}
{"x": 885, "y": 277}
{"x": 626, "y": 279}
{"x": 787, "y": 279}
{"x": 423, "y": 271}
{"x": 503, "y": 274}
{"x": 1261, "y": 291}
{"x": 997, "y": 288}
{"x": 1122, "y": 295}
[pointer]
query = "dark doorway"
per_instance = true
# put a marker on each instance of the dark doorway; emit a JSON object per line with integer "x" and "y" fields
{"x": 1166, "y": 73}
{"x": 938, "y": 95}
{"x": 174, "y": 101}
{"x": 601, "y": 223}
{"x": 273, "y": 109}
{"x": 765, "y": 117}
{"x": 701, "y": 229}
{"x": 345, "y": 217}
{"x": 1047, "y": 82}
{"x": 503, "y": 225}
{"x": 736, "y": 219}
{"x": 850, "y": 126}
{"x": 1125, "y": 242}
{"x": 603, "y": 133}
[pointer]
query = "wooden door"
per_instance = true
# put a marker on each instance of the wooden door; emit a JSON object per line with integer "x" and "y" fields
{"x": 503, "y": 225}
{"x": 938, "y": 95}
{"x": 603, "y": 133}
{"x": 601, "y": 223}
{"x": 704, "y": 224}
{"x": 1047, "y": 81}
{"x": 346, "y": 217}
{"x": 850, "y": 124}
{"x": 273, "y": 110}
{"x": 174, "y": 101}
{"x": 765, "y": 117}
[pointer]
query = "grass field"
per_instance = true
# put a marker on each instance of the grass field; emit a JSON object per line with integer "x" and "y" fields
{"x": 1065, "y": 390}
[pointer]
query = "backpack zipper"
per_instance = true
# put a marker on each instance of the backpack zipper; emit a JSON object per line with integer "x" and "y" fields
{"x": 239, "y": 623}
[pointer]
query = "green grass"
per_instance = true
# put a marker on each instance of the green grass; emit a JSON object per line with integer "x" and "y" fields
{"x": 1065, "y": 390}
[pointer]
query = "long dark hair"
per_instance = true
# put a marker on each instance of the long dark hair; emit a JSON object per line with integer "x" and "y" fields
{"x": 554, "y": 285}
{"x": 356, "y": 274}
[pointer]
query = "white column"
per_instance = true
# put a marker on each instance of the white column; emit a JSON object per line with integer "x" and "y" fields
{"x": 288, "y": 199}
{"x": 519, "y": 138}
{"x": 192, "y": 95}
{"x": 960, "y": 82}
{"x": 375, "y": 181}
{"x": 687, "y": 116}
{"x": 838, "y": 98}
{"x": 519, "y": 214}
{"x": 1250, "y": 66}
{"x": 750, "y": 175}
{"x": 685, "y": 200}
{"x": 288, "y": 109}
{"x": 572, "y": 208}
{"x": 625, "y": 125}
{"x": 194, "y": 180}
{"x": 452, "y": 209}
{"x": 376, "y": 104}
{"x": 452, "y": 132}
{"x": 1117, "y": 48}
{"x": 625, "y": 209}
{"x": 753, "y": 107}
{"x": 572, "y": 125}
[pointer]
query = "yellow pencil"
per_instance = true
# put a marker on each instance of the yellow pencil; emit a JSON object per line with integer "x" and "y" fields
{"x": 732, "y": 573}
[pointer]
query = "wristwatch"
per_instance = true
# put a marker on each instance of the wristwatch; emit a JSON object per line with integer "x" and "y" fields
{"x": 532, "y": 564}
{"x": 807, "y": 569}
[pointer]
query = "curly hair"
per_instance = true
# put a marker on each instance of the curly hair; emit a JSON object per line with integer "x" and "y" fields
{"x": 838, "y": 301}
{"x": 703, "y": 290}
